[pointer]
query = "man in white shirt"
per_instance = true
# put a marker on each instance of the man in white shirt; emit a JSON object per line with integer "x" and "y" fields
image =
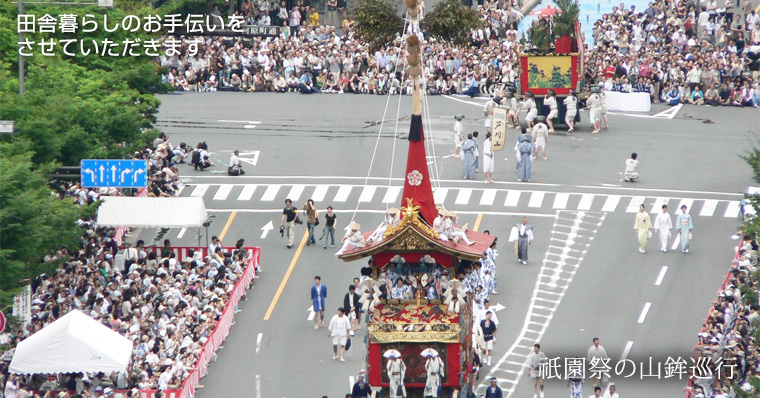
{"x": 535, "y": 361}
{"x": 596, "y": 355}
{"x": 235, "y": 167}
{"x": 339, "y": 328}
{"x": 611, "y": 393}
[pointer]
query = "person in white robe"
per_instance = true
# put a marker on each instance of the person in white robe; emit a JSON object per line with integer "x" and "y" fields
{"x": 663, "y": 224}
{"x": 396, "y": 372}
{"x": 434, "y": 367}
{"x": 391, "y": 219}
{"x": 353, "y": 238}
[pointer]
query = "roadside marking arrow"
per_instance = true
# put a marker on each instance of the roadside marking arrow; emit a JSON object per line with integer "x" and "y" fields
{"x": 266, "y": 228}
{"x": 311, "y": 313}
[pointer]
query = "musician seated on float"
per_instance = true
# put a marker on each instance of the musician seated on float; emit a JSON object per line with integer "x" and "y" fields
{"x": 391, "y": 219}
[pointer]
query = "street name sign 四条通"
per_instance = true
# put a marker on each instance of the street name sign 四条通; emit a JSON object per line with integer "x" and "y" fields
{"x": 113, "y": 173}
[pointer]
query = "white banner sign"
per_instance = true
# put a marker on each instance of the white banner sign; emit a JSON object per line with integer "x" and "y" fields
{"x": 22, "y": 305}
{"x": 499, "y": 129}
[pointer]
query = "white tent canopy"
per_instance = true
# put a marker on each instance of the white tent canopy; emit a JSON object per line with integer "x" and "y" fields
{"x": 73, "y": 343}
{"x": 121, "y": 211}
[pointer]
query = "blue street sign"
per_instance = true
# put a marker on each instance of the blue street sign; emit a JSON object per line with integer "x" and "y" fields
{"x": 114, "y": 173}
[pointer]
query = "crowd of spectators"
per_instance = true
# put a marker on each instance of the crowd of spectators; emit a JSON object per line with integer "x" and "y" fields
{"x": 682, "y": 51}
{"x": 728, "y": 346}
{"x": 168, "y": 306}
{"x": 312, "y": 56}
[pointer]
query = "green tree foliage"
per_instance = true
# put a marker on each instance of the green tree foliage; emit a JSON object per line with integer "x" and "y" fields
{"x": 450, "y": 21}
{"x": 74, "y": 107}
{"x": 377, "y": 22}
{"x": 564, "y": 23}
{"x": 33, "y": 223}
{"x": 81, "y": 106}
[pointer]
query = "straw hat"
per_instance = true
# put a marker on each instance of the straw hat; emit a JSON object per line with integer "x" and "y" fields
{"x": 354, "y": 225}
{"x": 393, "y": 210}
{"x": 450, "y": 213}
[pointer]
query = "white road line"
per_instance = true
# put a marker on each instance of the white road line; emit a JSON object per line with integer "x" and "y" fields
{"x": 240, "y": 121}
{"x": 489, "y": 195}
{"x": 586, "y": 201}
{"x": 636, "y": 201}
{"x": 461, "y": 100}
{"x": 560, "y": 201}
{"x": 343, "y": 193}
{"x": 644, "y": 311}
{"x": 626, "y": 350}
{"x": 512, "y": 198}
{"x": 391, "y": 195}
{"x": 708, "y": 209}
{"x": 295, "y": 192}
{"x": 464, "y": 196}
{"x": 611, "y": 203}
{"x": 258, "y": 342}
{"x": 660, "y": 277}
{"x": 367, "y": 193}
{"x": 685, "y": 201}
{"x": 384, "y": 180}
{"x": 350, "y": 383}
{"x": 319, "y": 193}
{"x": 657, "y": 206}
{"x": 439, "y": 195}
{"x": 732, "y": 210}
{"x": 270, "y": 193}
{"x": 223, "y": 192}
{"x": 676, "y": 241}
{"x": 200, "y": 190}
{"x": 536, "y": 199}
{"x": 181, "y": 233}
{"x": 258, "y": 386}
{"x": 247, "y": 192}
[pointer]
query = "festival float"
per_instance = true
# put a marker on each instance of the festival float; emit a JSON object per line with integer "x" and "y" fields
{"x": 422, "y": 247}
{"x": 552, "y": 57}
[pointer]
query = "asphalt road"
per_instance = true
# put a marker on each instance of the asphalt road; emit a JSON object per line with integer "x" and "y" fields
{"x": 322, "y": 146}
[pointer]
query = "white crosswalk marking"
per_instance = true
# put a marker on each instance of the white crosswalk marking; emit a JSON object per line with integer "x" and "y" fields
{"x": 464, "y": 196}
{"x": 489, "y": 195}
{"x": 611, "y": 203}
{"x": 200, "y": 190}
{"x": 270, "y": 193}
{"x": 545, "y": 201}
{"x": 343, "y": 193}
{"x": 295, "y": 192}
{"x": 636, "y": 201}
{"x": 319, "y": 193}
{"x": 391, "y": 195}
{"x": 439, "y": 195}
{"x": 657, "y": 206}
{"x": 512, "y": 198}
{"x": 536, "y": 199}
{"x": 560, "y": 201}
{"x": 247, "y": 192}
{"x": 223, "y": 192}
{"x": 685, "y": 201}
{"x": 586, "y": 201}
{"x": 733, "y": 209}
{"x": 367, "y": 193}
{"x": 708, "y": 209}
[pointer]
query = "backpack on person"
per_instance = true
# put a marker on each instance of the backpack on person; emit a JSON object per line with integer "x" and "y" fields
{"x": 196, "y": 160}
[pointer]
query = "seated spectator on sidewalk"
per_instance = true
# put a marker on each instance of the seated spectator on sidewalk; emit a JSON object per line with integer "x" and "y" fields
{"x": 725, "y": 95}
{"x": 696, "y": 97}
{"x": 711, "y": 96}
{"x": 673, "y": 96}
